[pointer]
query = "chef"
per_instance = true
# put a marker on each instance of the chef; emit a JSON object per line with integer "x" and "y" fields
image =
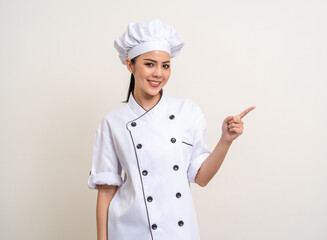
{"x": 158, "y": 141}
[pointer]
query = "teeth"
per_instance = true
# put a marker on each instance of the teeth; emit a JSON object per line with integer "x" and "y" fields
{"x": 154, "y": 83}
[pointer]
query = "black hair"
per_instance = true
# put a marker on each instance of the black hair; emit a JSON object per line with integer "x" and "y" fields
{"x": 132, "y": 82}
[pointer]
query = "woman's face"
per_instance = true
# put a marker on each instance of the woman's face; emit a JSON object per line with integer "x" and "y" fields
{"x": 151, "y": 72}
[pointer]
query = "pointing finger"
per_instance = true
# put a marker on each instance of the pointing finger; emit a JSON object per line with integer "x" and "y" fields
{"x": 246, "y": 111}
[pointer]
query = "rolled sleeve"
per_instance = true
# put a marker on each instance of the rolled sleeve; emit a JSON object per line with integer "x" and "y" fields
{"x": 104, "y": 178}
{"x": 200, "y": 150}
{"x": 106, "y": 168}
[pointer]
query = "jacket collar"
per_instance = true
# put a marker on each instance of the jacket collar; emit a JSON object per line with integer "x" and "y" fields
{"x": 139, "y": 110}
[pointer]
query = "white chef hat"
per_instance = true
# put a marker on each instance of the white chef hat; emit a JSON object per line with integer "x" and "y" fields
{"x": 148, "y": 36}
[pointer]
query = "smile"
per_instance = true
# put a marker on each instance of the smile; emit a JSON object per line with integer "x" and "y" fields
{"x": 153, "y": 83}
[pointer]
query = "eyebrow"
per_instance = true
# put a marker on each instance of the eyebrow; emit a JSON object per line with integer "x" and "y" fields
{"x": 155, "y": 60}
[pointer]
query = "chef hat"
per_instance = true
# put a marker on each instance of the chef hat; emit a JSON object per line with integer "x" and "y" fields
{"x": 148, "y": 36}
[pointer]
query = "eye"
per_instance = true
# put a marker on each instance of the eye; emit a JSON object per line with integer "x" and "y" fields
{"x": 149, "y": 64}
{"x": 166, "y": 66}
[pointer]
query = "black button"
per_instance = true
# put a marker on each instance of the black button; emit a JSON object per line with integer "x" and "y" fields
{"x": 176, "y": 167}
{"x": 173, "y": 140}
{"x": 180, "y": 223}
{"x": 154, "y": 226}
{"x": 150, "y": 199}
{"x": 145, "y": 172}
{"x": 171, "y": 117}
{"x": 178, "y": 195}
{"x": 139, "y": 146}
{"x": 133, "y": 124}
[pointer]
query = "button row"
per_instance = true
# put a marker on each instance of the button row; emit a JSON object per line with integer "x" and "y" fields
{"x": 139, "y": 146}
{"x": 178, "y": 195}
{"x": 145, "y": 172}
{"x": 180, "y": 223}
{"x": 171, "y": 117}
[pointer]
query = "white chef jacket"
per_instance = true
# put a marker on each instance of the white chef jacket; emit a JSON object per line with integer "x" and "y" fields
{"x": 160, "y": 151}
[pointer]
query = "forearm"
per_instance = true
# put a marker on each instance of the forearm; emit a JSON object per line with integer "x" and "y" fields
{"x": 212, "y": 164}
{"x": 105, "y": 195}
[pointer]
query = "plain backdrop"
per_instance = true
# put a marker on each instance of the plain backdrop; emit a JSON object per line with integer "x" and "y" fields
{"x": 60, "y": 74}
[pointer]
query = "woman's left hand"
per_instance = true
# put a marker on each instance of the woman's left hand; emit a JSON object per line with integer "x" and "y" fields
{"x": 233, "y": 126}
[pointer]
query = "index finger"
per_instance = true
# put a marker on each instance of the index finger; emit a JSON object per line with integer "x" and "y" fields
{"x": 246, "y": 111}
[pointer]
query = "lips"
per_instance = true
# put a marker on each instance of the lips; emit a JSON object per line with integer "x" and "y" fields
{"x": 154, "y": 83}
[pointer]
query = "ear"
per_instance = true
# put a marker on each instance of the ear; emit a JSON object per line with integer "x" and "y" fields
{"x": 130, "y": 65}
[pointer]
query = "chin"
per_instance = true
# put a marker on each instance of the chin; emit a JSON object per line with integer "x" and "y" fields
{"x": 154, "y": 92}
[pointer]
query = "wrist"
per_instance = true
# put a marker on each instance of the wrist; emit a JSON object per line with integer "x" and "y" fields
{"x": 225, "y": 142}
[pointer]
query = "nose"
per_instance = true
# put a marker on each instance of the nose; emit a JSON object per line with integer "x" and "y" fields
{"x": 157, "y": 72}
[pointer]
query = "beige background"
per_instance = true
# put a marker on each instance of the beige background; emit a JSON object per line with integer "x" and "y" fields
{"x": 60, "y": 74}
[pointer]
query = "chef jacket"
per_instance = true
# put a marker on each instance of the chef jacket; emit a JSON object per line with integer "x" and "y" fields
{"x": 160, "y": 152}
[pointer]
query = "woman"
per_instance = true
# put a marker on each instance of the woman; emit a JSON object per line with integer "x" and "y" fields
{"x": 160, "y": 143}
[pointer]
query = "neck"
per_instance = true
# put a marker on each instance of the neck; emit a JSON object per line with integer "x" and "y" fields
{"x": 146, "y": 101}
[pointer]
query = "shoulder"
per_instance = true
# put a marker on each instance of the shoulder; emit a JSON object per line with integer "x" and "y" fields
{"x": 117, "y": 112}
{"x": 113, "y": 117}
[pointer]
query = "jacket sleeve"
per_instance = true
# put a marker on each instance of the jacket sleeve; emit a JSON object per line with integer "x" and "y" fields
{"x": 106, "y": 168}
{"x": 200, "y": 150}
